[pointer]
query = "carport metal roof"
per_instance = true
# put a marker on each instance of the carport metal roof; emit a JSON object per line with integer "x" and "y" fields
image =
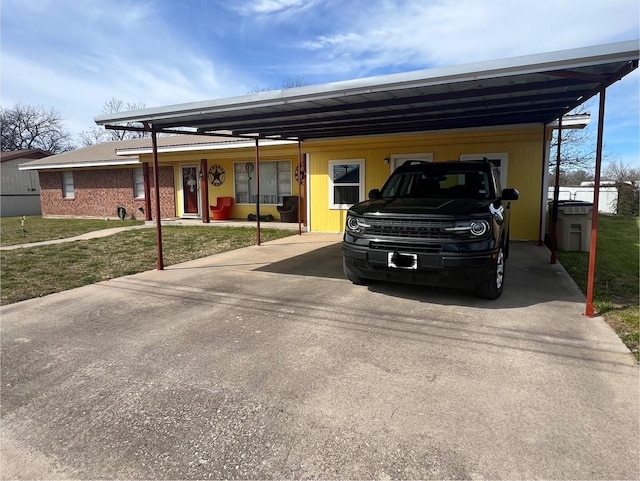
{"x": 534, "y": 89}
{"x": 523, "y": 90}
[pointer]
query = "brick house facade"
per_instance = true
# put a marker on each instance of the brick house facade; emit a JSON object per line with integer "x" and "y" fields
{"x": 99, "y": 193}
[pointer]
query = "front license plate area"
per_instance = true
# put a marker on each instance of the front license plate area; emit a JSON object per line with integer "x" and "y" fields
{"x": 401, "y": 260}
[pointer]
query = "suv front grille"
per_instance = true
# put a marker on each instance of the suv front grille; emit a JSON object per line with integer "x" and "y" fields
{"x": 412, "y": 229}
{"x": 408, "y": 248}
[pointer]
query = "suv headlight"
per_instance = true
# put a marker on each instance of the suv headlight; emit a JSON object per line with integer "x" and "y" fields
{"x": 474, "y": 228}
{"x": 356, "y": 224}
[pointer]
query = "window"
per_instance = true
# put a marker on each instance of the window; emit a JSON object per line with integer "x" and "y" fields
{"x": 138, "y": 183}
{"x": 68, "y": 190}
{"x": 398, "y": 159}
{"x": 499, "y": 160}
{"x": 275, "y": 182}
{"x": 346, "y": 183}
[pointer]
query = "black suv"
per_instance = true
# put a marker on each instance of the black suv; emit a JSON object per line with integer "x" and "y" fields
{"x": 433, "y": 223}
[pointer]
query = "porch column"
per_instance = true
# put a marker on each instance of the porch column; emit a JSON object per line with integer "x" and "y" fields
{"x": 156, "y": 177}
{"x": 204, "y": 189}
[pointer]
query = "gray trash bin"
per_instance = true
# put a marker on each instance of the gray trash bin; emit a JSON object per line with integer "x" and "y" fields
{"x": 574, "y": 225}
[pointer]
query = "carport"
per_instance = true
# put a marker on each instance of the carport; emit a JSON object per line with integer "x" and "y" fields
{"x": 531, "y": 90}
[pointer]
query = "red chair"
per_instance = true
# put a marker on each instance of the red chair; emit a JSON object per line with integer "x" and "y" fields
{"x": 222, "y": 209}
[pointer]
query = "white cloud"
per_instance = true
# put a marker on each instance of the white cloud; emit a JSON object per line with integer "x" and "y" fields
{"x": 451, "y": 32}
{"x": 107, "y": 53}
{"x": 268, "y": 7}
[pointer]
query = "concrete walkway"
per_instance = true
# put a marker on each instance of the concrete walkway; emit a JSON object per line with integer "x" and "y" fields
{"x": 265, "y": 363}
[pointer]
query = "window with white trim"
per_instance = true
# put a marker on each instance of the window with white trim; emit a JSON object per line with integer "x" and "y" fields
{"x": 346, "y": 183}
{"x": 275, "y": 182}
{"x": 68, "y": 189}
{"x": 500, "y": 160}
{"x": 398, "y": 159}
{"x": 138, "y": 183}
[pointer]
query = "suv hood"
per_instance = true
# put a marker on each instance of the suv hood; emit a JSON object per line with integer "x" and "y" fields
{"x": 416, "y": 206}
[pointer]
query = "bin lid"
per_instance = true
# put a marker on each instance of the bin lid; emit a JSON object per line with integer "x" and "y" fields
{"x": 572, "y": 203}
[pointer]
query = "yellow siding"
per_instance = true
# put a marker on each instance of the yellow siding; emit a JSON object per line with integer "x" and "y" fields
{"x": 523, "y": 146}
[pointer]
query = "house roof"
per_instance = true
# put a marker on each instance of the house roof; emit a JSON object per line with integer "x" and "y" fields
{"x": 533, "y": 89}
{"x": 123, "y": 152}
{"x": 23, "y": 154}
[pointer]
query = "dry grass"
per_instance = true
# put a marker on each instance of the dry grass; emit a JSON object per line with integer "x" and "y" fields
{"x": 38, "y": 271}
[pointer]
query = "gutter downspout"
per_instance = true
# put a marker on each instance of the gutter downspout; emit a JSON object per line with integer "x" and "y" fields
{"x": 556, "y": 194}
{"x": 590, "y": 310}
{"x": 545, "y": 186}
{"x": 147, "y": 191}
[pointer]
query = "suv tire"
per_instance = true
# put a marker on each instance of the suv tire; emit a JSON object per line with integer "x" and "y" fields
{"x": 492, "y": 288}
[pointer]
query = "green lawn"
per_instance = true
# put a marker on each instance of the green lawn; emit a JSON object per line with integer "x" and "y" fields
{"x": 38, "y": 271}
{"x": 617, "y": 285}
{"x": 37, "y": 229}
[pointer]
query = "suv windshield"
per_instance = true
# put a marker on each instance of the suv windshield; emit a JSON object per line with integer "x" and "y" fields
{"x": 451, "y": 182}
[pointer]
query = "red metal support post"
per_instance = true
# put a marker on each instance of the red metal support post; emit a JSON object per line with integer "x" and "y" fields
{"x": 258, "y": 190}
{"x": 204, "y": 188}
{"x": 590, "y": 310}
{"x": 556, "y": 195}
{"x": 156, "y": 177}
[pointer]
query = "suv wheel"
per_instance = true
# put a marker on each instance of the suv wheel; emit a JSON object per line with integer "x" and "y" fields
{"x": 492, "y": 288}
{"x": 350, "y": 275}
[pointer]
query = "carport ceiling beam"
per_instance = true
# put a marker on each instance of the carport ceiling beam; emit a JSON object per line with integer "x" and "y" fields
{"x": 536, "y": 102}
{"x": 424, "y": 122}
{"x": 611, "y": 79}
{"x": 365, "y": 128}
{"x": 586, "y": 77}
{"x": 163, "y": 130}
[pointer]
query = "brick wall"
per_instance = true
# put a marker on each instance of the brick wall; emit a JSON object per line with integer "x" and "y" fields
{"x": 99, "y": 192}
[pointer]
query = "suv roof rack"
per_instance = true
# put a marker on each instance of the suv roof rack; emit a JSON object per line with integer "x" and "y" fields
{"x": 413, "y": 162}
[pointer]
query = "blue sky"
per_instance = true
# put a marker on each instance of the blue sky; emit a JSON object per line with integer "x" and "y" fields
{"x": 74, "y": 55}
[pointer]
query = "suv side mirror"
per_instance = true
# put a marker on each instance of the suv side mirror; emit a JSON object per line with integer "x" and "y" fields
{"x": 375, "y": 194}
{"x": 510, "y": 194}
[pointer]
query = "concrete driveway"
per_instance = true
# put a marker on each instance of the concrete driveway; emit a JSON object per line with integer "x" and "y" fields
{"x": 266, "y": 363}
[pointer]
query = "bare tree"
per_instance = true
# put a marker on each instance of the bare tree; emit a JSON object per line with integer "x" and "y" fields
{"x": 577, "y": 150}
{"x": 289, "y": 83}
{"x": 578, "y": 147}
{"x": 294, "y": 82}
{"x": 572, "y": 177}
{"x": 621, "y": 172}
{"x": 96, "y": 135}
{"x": 30, "y": 127}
